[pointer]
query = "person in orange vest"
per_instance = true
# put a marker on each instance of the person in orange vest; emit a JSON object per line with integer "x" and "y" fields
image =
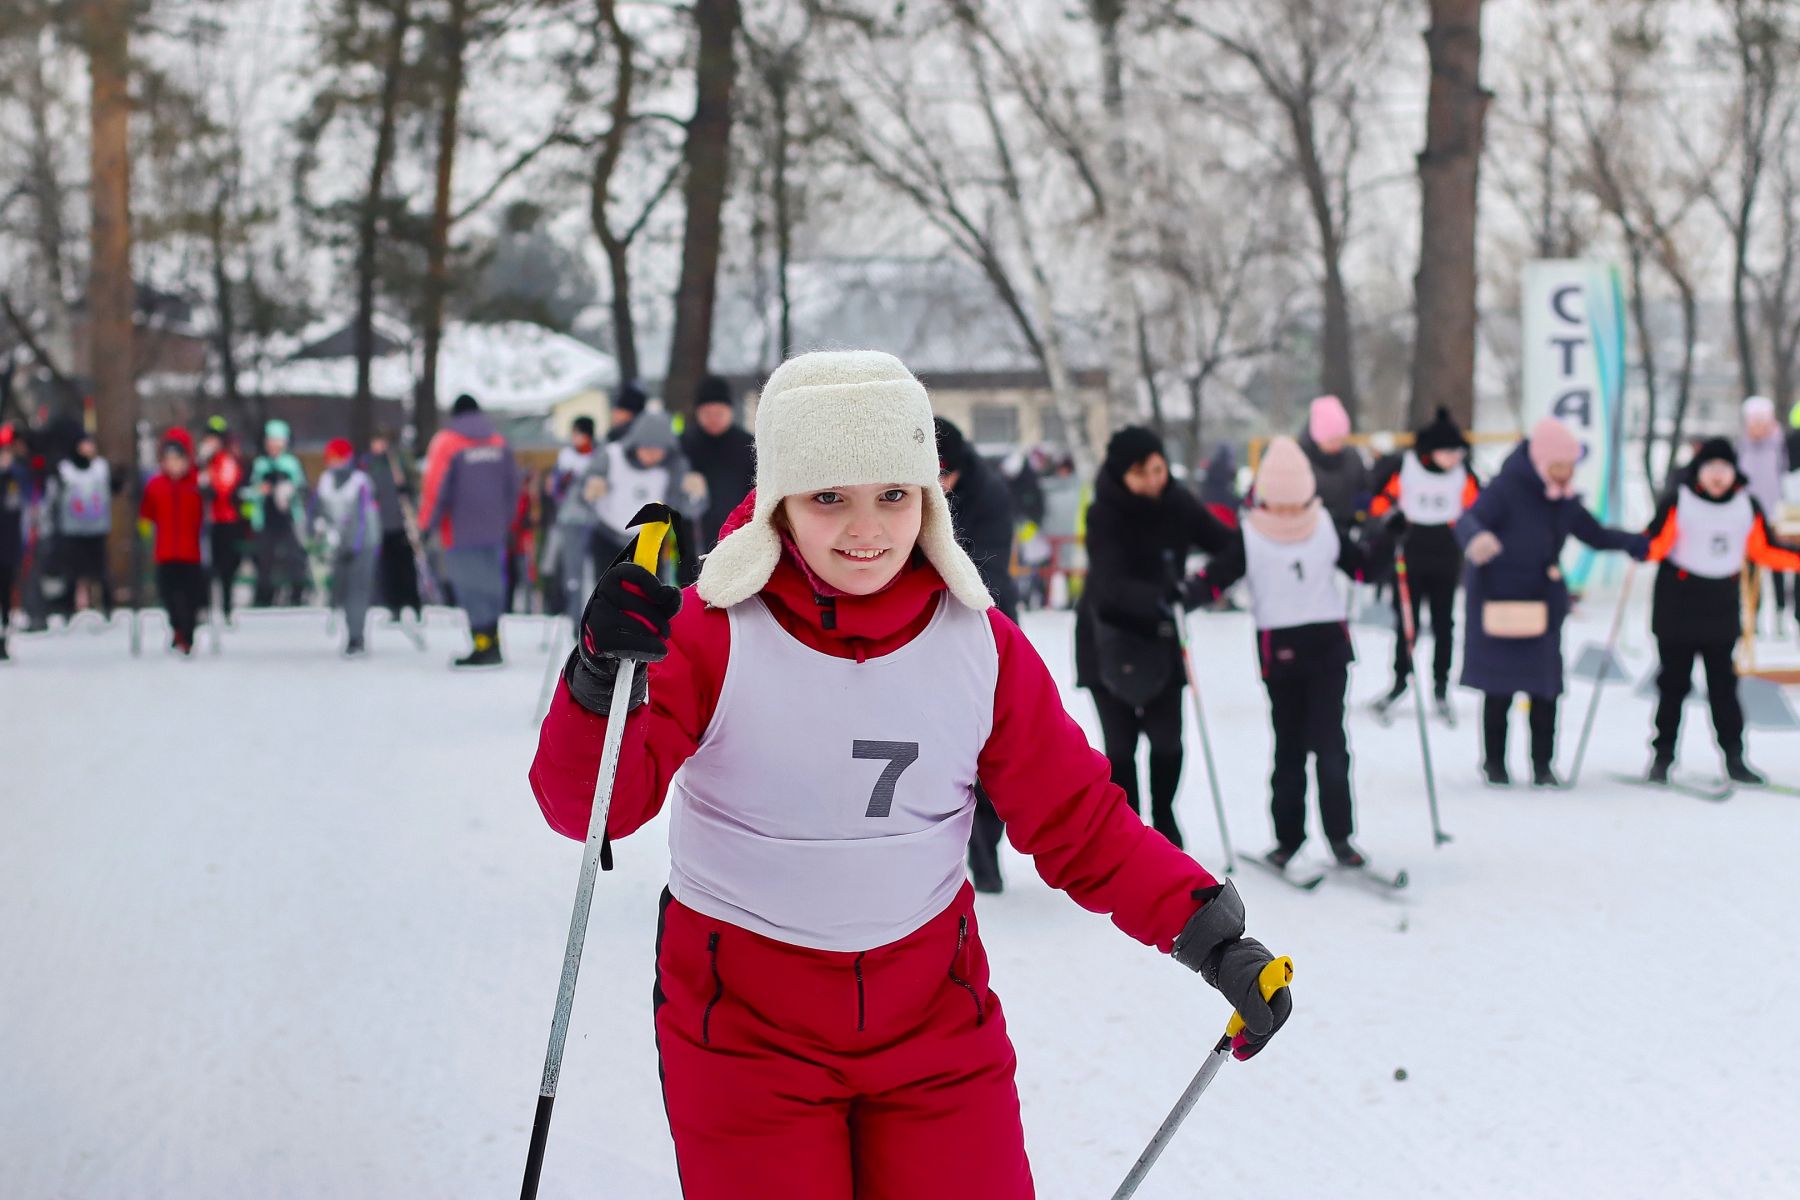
{"x": 1707, "y": 529}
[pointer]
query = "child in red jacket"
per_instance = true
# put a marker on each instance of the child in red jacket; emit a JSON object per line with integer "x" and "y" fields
{"x": 819, "y": 707}
{"x": 173, "y": 504}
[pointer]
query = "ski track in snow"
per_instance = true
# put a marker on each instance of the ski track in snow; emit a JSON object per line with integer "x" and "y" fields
{"x": 281, "y": 925}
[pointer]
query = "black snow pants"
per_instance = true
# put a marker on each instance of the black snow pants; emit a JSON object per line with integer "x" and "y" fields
{"x": 1307, "y": 710}
{"x": 1676, "y": 679}
{"x": 1121, "y": 725}
{"x": 1494, "y": 710}
{"x": 1437, "y": 595}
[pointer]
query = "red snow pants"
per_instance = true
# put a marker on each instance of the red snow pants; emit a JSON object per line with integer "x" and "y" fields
{"x": 820, "y": 1075}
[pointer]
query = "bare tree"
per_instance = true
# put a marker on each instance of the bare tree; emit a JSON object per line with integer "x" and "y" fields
{"x": 105, "y": 27}
{"x": 707, "y": 162}
{"x": 1444, "y": 309}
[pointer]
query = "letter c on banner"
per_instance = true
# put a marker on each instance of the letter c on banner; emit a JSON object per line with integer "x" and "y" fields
{"x": 1575, "y": 407}
{"x": 1558, "y": 300}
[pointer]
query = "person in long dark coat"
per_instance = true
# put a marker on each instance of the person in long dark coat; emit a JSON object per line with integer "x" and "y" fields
{"x": 724, "y": 453}
{"x": 1512, "y": 539}
{"x": 981, "y": 508}
{"x": 1140, "y": 529}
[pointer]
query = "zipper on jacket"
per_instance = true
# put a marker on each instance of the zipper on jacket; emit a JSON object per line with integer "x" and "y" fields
{"x": 962, "y": 938}
{"x": 861, "y": 1006}
{"x": 828, "y": 617}
{"x": 712, "y": 955}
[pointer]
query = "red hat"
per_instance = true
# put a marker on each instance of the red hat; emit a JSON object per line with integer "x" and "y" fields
{"x": 339, "y": 450}
{"x": 7, "y": 435}
{"x": 181, "y": 439}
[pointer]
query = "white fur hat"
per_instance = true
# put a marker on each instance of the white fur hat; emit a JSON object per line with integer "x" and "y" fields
{"x": 839, "y": 419}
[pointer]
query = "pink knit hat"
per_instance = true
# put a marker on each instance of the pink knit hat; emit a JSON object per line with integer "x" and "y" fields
{"x": 1327, "y": 421}
{"x": 1284, "y": 476}
{"x": 1553, "y": 443}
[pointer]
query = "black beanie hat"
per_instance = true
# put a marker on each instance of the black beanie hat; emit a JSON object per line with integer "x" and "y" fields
{"x": 465, "y": 404}
{"x": 713, "y": 390}
{"x": 584, "y": 425}
{"x": 630, "y": 399}
{"x": 1129, "y": 447}
{"x": 1441, "y": 433}
{"x": 952, "y": 446}
{"x": 1712, "y": 450}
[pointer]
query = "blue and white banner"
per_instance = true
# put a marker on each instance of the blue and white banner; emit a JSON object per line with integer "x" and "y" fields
{"x": 1574, "y": 367}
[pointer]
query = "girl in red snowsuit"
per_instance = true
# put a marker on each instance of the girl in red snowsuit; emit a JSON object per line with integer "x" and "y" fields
{"x": 819, "y": 707}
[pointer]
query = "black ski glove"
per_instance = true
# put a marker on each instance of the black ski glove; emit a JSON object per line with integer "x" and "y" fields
{"x": 627, "y": 617}
{"x": 1396, "y": 524}
{"x": 1213, "y": 943}
{"x": 1196, "y": 592}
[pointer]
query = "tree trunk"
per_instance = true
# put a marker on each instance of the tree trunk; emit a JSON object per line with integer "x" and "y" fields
{"x": 224, "y": 302}
{"x": 707, "y": 156}
{"x": 1444, "y": 298}
{"x": 1640, "y": 320}
{"x": 1337, "y": 359}
{"x": 48, "y": 232}
{"x": 111, "y": 292}
{"x": 437, "y": 267}
{"x": 1121, "y": 302}
{"x": 784, "y": 215}
{"x": 362, "y": 409}
{"x": 1684, "y": 386}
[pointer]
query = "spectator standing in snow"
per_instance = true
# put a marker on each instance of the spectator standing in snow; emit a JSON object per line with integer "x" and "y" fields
{"x": 1063, "y": 492}
{"x": 345, "y": 502}
{"x": 1342, "y": 476}
{"x": 221, "y": 484}
{"x": 1512, "y": 539}
{"x": 1762, "y": 461}
{"x": 572, "y": 530}
{"x": 627, "y": 405}
{"x": 1141, "y": 528}
{"x": 278, "y": 501}
{"x": 825, "y": 1025}
{"x": 85, "y": 489}
{"x": 982, "y": 518}
{"x": 469, "y": 496}
{"x": 172, "y": 504}
{"x": 724, "y": 454}
{"x": 397, "y": 564}
{"x": 15, "y": 499}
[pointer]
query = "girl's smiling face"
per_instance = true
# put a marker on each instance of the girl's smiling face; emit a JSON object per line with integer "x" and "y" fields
{"x": 856, "y": 538}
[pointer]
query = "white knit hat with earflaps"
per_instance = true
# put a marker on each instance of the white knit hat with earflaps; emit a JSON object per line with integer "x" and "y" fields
{"x": 834, "y": 419}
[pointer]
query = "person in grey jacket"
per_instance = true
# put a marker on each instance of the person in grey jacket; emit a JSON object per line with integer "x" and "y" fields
{"x": 84, "y": 492}
{"x": 573, "y": 527}
{"x": 645, "y": 466}
{"x": 397, "y": 565}
{"x": 346, "y": 508}
{"x": 1762, "y": 456}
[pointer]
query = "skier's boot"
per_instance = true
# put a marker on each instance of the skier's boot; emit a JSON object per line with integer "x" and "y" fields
{"x": 4, "y": 656}
{"x": 1384, "y": 707}
{"x": 355, "y": 648}
{"x": 1347, "y": 855}
{"x": 1742, "y": 772}
{"x": 486, "y": 652}
{"x": 1446, "y": 712}
{"x": 1659, "y": 768}
{"x": 1544, "y": 776}
{"x": 1495, "y": 774}
{"x": 1281, "y": 856}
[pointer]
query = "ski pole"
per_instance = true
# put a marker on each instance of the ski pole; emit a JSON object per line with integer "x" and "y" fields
{"x": 1410, "y": 632}
{"x": 654, "y": 522}
{"x": 1612, "y": 641}
{"x": 1277, "y": 975}
{"x": 1206, "y": 752}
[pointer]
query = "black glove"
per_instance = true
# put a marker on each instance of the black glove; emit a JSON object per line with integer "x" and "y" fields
{"x": 627, "y": 617}
{"x": 1213, "y": 943}
{"x": 1396, "y": 524}
{"x": 1196, "y": 592}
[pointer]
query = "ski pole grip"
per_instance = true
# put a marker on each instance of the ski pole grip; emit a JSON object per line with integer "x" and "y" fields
{"x": 649, "y": 544}
{"x": 1275, "y": 976}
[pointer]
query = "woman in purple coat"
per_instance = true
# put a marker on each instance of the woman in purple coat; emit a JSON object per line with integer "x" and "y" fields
{"x": 1512, "y": 539}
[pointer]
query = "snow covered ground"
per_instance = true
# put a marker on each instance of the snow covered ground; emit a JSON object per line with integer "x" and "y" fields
{"x": 279, "y": 925}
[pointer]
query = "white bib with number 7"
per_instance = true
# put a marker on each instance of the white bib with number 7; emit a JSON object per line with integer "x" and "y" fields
{"x": 830, "y": 800}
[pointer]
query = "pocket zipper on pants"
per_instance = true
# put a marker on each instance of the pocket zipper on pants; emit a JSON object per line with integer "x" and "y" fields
{"x": 712, "y": 956}
{"x": 962, "y": 938}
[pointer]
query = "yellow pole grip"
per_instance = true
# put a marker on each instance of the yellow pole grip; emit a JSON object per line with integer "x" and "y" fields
{"x": 649, "y": 544}
{"x": 1275, "y": 976}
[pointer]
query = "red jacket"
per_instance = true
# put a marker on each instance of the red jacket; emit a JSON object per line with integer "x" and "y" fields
{"x": 1054, "y": 790}
{"x": 224, "y": 476}
{"x": 174, "y": 506}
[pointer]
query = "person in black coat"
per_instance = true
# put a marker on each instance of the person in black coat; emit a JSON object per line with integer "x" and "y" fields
{"x": 1431, "y": 485}
{"x": 723, "y": 452}
{"x": 981, "y": 509}
{"x": 1512, "y": 539}
{"x": 1141, "y": 528}
{"x": 1704, "y": 533}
